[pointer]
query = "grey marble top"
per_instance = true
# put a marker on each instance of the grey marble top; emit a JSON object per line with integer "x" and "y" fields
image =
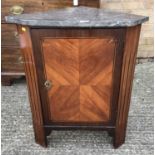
{"x": 78, "y": 17}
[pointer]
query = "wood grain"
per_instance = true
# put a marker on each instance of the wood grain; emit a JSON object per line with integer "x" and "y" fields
{"x": 96, "y": 69}
{"x": 61, "y": 61}
{"x": 31, "y": 78}
{"x": 12, "y": 67}
{"x": 96, "y": 62}
{"x": 64, "y": 103}
{"x": 94, "y": 105}
{"x": 129, "y": 60}
{"x": 11, "y": 60}
{"x": 81, "y": 74}
{"x": 10, "y": 35}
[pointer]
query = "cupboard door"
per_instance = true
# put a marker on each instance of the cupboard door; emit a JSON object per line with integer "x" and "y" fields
{"x": 80, "y": 71}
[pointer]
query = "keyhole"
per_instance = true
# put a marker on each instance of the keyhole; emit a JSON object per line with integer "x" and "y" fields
{"x": 75, "y": 2}
{"x": 48, "y": 84}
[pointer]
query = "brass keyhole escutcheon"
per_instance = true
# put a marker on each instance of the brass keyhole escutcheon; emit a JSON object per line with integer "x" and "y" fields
{"x": 48, "y": 84}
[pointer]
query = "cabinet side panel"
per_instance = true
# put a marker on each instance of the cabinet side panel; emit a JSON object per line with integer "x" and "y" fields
{"x": 31, "y": 78}
{"x": 129, "y": 60}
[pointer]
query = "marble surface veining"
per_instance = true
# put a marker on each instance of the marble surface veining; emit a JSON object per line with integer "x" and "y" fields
{"x": 78, "y": 17}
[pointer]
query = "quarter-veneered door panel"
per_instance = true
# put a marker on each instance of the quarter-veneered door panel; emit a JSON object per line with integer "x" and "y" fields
{"x": 81, "y": 72}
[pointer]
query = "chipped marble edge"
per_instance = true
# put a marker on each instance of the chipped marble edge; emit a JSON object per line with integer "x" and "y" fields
{"x": 89, "y": 24}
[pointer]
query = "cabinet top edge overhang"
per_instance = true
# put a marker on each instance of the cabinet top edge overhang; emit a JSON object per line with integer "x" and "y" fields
{"x": 78, "y": 17}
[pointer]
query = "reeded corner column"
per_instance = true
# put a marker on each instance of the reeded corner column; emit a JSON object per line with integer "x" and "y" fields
{"x": 128, "y": 67}
{"x": 31, "y": 79}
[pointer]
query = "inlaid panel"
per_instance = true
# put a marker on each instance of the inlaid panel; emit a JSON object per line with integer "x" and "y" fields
{"x": 95, "y": 67}
{"x": 61, "y": 61}
{"x": 96, "y": 61}
{"x": 94, "y": 103}
{"x": 64, "y": 103}
{"x": 80, "y": 71}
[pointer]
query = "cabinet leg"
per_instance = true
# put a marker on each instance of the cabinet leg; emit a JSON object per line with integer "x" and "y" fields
{"x": 40, "y": 135}
{"x": 119, "y": 138}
